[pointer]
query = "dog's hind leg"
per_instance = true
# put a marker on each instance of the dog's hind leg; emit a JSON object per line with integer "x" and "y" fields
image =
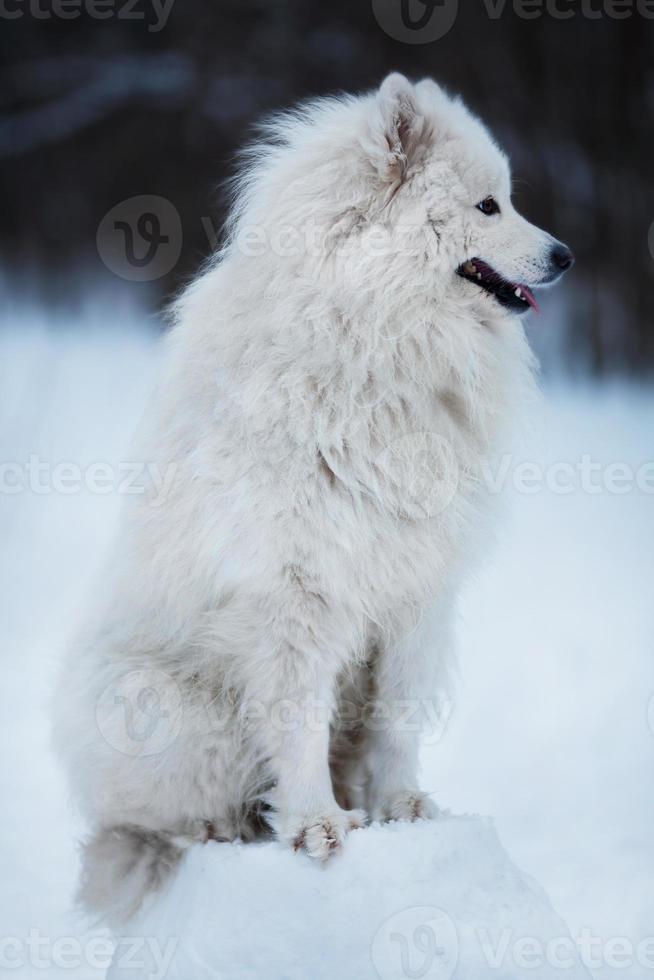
{"x": 347, "y": 744}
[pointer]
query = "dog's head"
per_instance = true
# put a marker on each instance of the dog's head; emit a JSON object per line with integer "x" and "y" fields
{"x": 444, "y": 172}
{"x": 393, "y": 198}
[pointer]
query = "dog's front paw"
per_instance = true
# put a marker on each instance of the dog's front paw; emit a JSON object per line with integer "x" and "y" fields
{"x": 321, "y": 834}
{"x": 406, "y": 805}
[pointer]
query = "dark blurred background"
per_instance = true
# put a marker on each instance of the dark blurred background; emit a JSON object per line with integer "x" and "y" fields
{"x": 105, "y": 100}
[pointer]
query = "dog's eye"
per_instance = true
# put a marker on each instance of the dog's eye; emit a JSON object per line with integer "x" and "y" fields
{"x": 489, "y": 206}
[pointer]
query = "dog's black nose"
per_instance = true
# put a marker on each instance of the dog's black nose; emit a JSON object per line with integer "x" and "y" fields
{"x": 562, "y": 257}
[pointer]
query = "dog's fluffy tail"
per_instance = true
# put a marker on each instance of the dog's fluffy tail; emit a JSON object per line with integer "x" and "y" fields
{"x": 122, "y": 866}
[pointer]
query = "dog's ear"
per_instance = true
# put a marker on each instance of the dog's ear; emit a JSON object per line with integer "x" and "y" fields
{"x": 397, "y": 127}
{"x": 429, "y": 89}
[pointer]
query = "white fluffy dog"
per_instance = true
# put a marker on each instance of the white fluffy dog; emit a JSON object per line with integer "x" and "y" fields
{"x": 335, "y": 380}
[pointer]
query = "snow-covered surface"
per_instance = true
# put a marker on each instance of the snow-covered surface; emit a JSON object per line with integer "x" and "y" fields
{"x": 437, "y": 900}
{"x": 550, "y": 731}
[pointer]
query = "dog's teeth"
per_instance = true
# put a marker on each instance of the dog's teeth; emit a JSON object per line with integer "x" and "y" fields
{"x": 479, "y": 275}
{"x": 518, "y": 293}
{"x": 470, "y": 268}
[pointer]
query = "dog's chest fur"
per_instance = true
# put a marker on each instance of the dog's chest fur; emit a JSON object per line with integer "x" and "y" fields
{"x": 364, "y": 469}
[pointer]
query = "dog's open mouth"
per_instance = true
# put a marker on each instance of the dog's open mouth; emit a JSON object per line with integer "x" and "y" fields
{"x": 513, "y": 295}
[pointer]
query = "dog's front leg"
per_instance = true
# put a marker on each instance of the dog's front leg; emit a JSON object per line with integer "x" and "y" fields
{"x": 410, "y": 682}
{"x": 307, "y": 815}
{"x": 298, "y": 687}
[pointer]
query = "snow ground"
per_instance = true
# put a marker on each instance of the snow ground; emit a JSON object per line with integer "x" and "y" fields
{"x": 444, "y": 902}
{"x": 549, "y": 733}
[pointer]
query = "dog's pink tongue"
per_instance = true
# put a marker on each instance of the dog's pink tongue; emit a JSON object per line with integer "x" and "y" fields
{"x": 531, "y": 299}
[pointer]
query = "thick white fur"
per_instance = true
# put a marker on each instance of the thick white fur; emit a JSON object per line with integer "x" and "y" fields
{"x": 286, "y": 563}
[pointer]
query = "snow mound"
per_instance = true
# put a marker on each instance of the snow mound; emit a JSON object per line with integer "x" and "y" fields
{"x": 432, "y": 900}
